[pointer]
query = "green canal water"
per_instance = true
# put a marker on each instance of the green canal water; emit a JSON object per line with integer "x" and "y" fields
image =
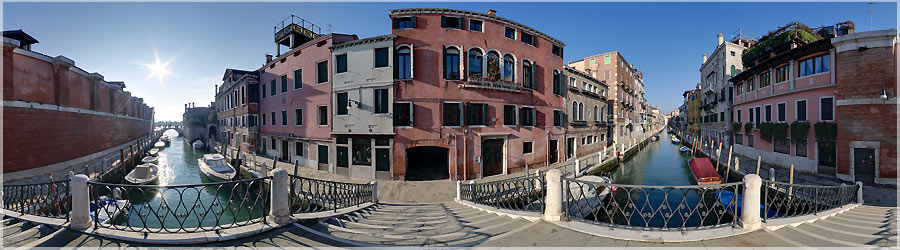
{"x": 183, "y": 203}
{"x": 660, "y": 163}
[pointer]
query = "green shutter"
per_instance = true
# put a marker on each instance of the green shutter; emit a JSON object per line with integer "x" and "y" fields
{"x": 533, "y": 75}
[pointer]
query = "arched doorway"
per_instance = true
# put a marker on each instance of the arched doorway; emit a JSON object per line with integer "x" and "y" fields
{"x": 425, "y": 163}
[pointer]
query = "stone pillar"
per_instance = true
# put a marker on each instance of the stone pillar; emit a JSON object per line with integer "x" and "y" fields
{"x": 859, "y": 193}
{"x": 374, "y": 191}
{"x": 750, "y": 218}
{"x": 577, "y": 167}
{"x": 280, "y": 209}
{"x": 772, "y": 174}
{"x": 81, "y": 205}
{"x": 474, "y": 195}
{"x": 458, "y": 190}
{"x": 554, "y": 210}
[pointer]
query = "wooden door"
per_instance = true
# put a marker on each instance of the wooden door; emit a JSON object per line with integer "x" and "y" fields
{"x": 492, "y": 157}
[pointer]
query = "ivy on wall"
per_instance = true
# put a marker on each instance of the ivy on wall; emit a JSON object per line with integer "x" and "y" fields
{"x": 799, "y": 130}
{"x": 780, "y": 130}
{"x": 736, "y": 127}
{"x": 748, "y": 128}
{"x": 825, "y": 131}
{"x": 765, "y": 131}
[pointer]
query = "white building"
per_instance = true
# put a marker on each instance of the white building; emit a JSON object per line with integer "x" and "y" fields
{"x": 716, "y": 98}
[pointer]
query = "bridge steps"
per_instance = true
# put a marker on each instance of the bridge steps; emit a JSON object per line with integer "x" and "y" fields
{"x": 864, "y": 226}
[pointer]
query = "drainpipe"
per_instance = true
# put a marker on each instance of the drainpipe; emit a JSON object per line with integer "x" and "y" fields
{"x": 465, "y": 154}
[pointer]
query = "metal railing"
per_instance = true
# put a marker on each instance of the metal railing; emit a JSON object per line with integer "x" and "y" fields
{"x": 784, "y": 200}
{"x": 311, "y": 195}
{"x": 675, "y": 208}
{"x": 525, "y": 193}
{"x": 179, "y": 208}
{"x": 49, "y": 199}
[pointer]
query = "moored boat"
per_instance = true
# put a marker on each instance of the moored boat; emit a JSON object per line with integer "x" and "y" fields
{"x": 143, "y": 174}
{"x": 725, "y": 197}
{"x": 675, "y": 140}
{"x": 153, "y": 151}
{"x": 104, "y": 209}
{"x": 198, "y": 144}
{"x": 684, "y": 149}
{"x": 150, "y": 159}
{"x": 215, "y": 167}
{"x": 589, "y": 194}
{"x": 159, "y": 144}
{"x": 165, "y": 139}
{"x": 703, "y": 172}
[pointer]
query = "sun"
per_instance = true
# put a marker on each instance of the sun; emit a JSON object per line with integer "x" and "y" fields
{"x": 158, "y": 69}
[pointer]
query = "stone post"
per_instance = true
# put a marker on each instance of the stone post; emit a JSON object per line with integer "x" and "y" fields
{"x": 374, "y": 191}
{"x": 458, "y": 190}
{"x": 554, "y": 210}
{"x": 280, "y": 209}
{"x": 772, "y": 174}
{"x": 577, "y": 168}
{"x": 474, "y": 191}
{"x": 859, "y": 194}
{"x": 750, "y": 218}
{"x": 600, "y": 158}
{"x": 81, "y": 205}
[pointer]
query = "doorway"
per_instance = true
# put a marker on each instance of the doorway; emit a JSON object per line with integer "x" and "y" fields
{"x": 570, "y": 147}
{"x": 552, "y": 152}
{"x": 426, "y": 163}
{"x": 864, "y": 165}
{"x": 284, "y": 151}
{"x": 492, "y": 157}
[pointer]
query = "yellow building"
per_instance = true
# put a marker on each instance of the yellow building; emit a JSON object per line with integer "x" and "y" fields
{"x": 693, "y": 111}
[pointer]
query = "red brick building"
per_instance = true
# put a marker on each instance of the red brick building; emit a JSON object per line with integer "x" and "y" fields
{"x": 484, "y": 95}
{"x": 237, "y": 107}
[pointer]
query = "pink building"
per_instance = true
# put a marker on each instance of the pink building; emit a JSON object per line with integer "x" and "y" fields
{"x": 483, "y": 95}
{"x": 295, "y": 97}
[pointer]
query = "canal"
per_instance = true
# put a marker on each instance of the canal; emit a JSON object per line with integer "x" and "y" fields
{"x": 660, "y": 163}
{"x": 185, "y": 198}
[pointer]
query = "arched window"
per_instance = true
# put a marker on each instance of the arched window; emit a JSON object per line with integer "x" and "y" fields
{"x": 575, "y": 110}
{"x": 451, "y": 63}
{"x": 596, "y": 116}
{"x": 493, "y": 65}
{"x": 509, "y": 68}
{"x": 733, "y": 70}
{"x": 476, "y": 62}
{"x": 581, "y": 111}
{"x": 403, "y": 69}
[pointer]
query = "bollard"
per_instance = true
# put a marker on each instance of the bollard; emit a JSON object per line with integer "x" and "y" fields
{"x": 474, "y": 195}
{"x": 537, "y": 181}
{"x": 859, "y": 193}
{"x": 458, "y": 190}
{"x": 279, "y": 208}
{"x": 375, "y": 191}
{"x": 600, "y": 157}
{"x": 554, "y": 209}
{"x": 81, "y": 206}
{"x": 577, "y": 168}
{"x": 750, "y": 218}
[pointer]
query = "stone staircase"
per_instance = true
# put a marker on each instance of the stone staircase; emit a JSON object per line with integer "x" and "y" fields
{"x": 863, "y": 226}
{"x": 430, "y": 225}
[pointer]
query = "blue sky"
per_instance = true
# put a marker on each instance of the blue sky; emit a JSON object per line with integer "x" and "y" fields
{"x": 664, "y": 40}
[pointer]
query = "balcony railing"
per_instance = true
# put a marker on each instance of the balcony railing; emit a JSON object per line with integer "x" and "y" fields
{"x": 490, "y": 83}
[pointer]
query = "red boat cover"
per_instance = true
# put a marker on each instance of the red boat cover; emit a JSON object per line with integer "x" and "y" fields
{"x": 702, "y": 168}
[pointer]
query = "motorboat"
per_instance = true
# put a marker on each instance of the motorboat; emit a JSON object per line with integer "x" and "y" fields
{"x": 104, "y": 209}
{"x": 165, "y": 139}
{"x": 703, "y": 171}
{"x": 153, "y": 151}
{"x": 143, "y": 174}
{"x": 725, "y": 197}
{"x": 150, "y": 159}
{"x": 589, "y": 194}
{"x": 159, "y": 144}
{"x": 675, "y": 140}
{"x": 198, "y": 144}
{"x": 684, "y": 149}
{"x": 215, "y": 167}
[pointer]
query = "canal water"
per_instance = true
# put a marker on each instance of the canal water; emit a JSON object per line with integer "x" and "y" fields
{"x": 659, "y": 163}
{"x": 184, "y": 202}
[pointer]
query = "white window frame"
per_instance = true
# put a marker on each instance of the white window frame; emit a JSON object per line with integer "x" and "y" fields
{"x": 532, "y": 147}
{"x": 295, "y": 78}
{"x": 335, "y": 65}
{"x": 769, "y": 118}
{"x": 375, "y": 59}
{"x": 778, "y": 116}
{"x": 336, "y": 104}
{"x": 412, "y": 60}
{"x": 412, "y": 120}
{"x": 515, "y": 32}
{"x": 534, "y": 114}
{"x": 797, "y": 110}
{"x": 516, "y": 114}
{"x": 317, "y": 72}
{"x": 300, "y": 118}
{"x": 462, "y": 68}
{"x": 319, "y": 114}
{"x": 833, "y": 108}
{"x": 470, "y": 25}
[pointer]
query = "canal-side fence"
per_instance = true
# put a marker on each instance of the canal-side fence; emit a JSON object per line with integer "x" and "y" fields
{"x": 51, "y": 200}
{"x": 311, "y": 195}
{"x": 657, "y": 208}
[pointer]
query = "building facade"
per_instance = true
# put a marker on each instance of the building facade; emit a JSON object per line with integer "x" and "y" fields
{"x": 586, "y": 132}
{"x": 237, "y": 110}
{"x": 484, "y": 91}
{"x": 716, "y": 98}
{"x": 363, "y": 90}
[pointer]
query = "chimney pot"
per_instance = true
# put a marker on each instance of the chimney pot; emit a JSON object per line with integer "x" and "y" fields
{"x": 268, "y": 58}
{"x": 721, "y": 38}
{"x": 704, "y": 58}
{"x": 492, "y": 12}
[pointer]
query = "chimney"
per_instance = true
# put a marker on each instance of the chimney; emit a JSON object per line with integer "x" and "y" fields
{"x": 721, "y": 38}
{"x": 492, "y": 12}
{"x": 268, "y": 58}
{"x": 704, "y": 58}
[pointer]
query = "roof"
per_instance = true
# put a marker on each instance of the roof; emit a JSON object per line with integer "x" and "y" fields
{"x": 20, "y": 35}
{"x": 479, "y": 15}
{"x": 795, "y": 53}
{"x": 364, "y": 41}
{"x": 232, "y": 72}
{"x": 584, "y": 75}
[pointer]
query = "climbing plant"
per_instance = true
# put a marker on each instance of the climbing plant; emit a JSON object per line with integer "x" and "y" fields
{"x": 736, "y": 127}
{"x": 765, "y": 131}
{"x": 825, "y": 131}
{"x": 799, "y": 130}
{"x": 780, "y": 130}
{"x": 748, "y": 128}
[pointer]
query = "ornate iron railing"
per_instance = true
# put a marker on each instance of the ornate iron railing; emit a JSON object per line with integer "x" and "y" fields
{"x": 49, "y": 199}
{"x": 783, "y": 200}
{"x": 490, "y": 83}
{"x": 179, "y": 208}
{"x": 665, "y": 208}
{"x": 311, "y": 195}
{"x": 525, "y": 193}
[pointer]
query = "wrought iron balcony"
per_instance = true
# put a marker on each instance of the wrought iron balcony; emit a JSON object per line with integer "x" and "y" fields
{"x": 490, "y": 83}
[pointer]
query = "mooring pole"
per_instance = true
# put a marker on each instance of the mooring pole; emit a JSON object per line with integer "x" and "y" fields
{"x": 122, "y": 159}
{"x": 758, "y": 159}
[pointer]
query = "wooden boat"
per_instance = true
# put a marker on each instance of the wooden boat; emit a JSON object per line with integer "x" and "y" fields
{"x": 143, "y": 174}
{"x": 704, "y": 172}
{"x": 153, "y": 151}
{"x": 684, "y": 149}
{"x": 164, "y": 138}
{"x": 150, "y": 159}
{"x": 675, "y": 141}
{"x": 198, "y": 144}
{"x": 214, "y": 166}
{"x": 159, "y": 144}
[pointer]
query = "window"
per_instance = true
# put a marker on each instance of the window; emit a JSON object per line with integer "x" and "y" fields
{"x": 323, "y": 115}
{"x": 493, "y": 65}
{"x": 298, "y": 79}
{"x": 528, "y": 39}
{"x": 527, "y": 116}
{"x": 558, "y": 116}
{"x": 243, "y": 95}
{"x": 263, "y": 119}
{"x": 606, "y": 60}
{"x": 476, "y": 114}
{"x": 272, "y": 92}
{"x": 476, "y": 61}
{"x": 343, "y": 102}
{"x": 263, "y": 91}
{"x": 509, "y": 68}
{"x": 581, "y": 111}
{"x": 381, "y": 101}
{"x": 284, "y": 83}
{"x": 451, "y": 63}
{"x": 404, "y": 22}
{"x": 298, "y": 117}
{"x": 510, "y": 33}
{"x": 758, "y": 121}
{"x": 733, "y": 68}
{"x": 558, "y": 51}
{"x": 826, "y": 106}
{"x": 801, "y": 110}
{"x": 528, "y": 75}
{"x": 323, "y": 154}
{"x": 362, "y": 151}
{"x": 557, "y": 88}
{"x": 322, "y": 72}
{"x": 527, "y": 147}
{"x": 781, "y": 73}
{"x": 765, "y": 79}
{"x": 273, "y": 117}
{"x": 781, "y": 110}
{"x": 814, "y": 65}
{"x": 403, "y": 114}
{"x": 252, "y": 121}
{"x": 284, "y": 118}
{"x": 298, "y": 148}
{"x": 596, "y": 117}
{"x": 572, "y": 81}
{"x": 768, "y": 113}
{"x": 592, "y": 62}
{"x": 381, "y": 57}
{"x": 452, "y": 22}
{"x": 732, "y": 54}
{"x": 751, "y": 84}
{"x": 750, "y": 111}
{"x": 509, "y": 115}
{"x": 738, "y": 116}
{"x": 403, "y": 67}
{"x": 452, "y": 114}
{"x": 273, "y": 142}
{"x": 475, "y": 25}
{"x": 340, "y": 62}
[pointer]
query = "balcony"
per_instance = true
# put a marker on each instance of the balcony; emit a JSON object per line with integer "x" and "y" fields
{"x": 293, "y": 31}
{"x": 489, "y": 83}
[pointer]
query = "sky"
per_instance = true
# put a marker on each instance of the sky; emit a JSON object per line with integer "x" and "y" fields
{"x": 200, "y": 40}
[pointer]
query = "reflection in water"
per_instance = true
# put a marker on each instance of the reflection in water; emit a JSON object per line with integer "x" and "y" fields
{"x": 659, "y": 163}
